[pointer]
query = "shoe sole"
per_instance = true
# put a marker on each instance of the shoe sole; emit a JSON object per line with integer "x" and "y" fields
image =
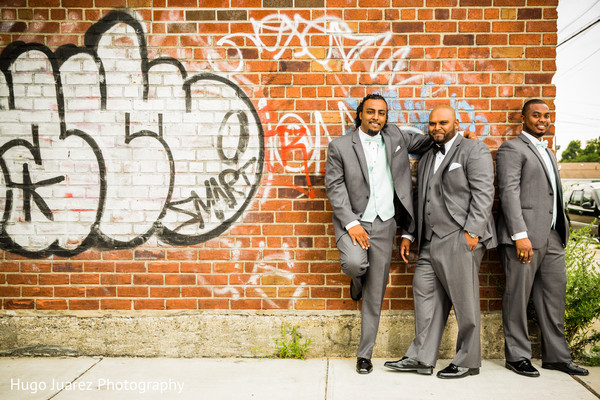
{"x": 364, "y": 372}
{"x": 560, "y": 370}
{"x": 422, "y": 371}
{"x": 471, "y": 371}
{"x": 513, "y": 369}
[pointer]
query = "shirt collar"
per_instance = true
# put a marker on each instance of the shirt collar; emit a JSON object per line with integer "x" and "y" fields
{"x": 531, "y": 138}
{"x": 448, "y": 144}
{"x": 363, "y": 135}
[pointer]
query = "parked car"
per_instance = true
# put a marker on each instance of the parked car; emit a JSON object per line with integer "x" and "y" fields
{"x": 583, "y": 206}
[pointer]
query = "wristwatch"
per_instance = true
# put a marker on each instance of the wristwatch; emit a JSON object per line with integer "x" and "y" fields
{"x": 473, "y": 235}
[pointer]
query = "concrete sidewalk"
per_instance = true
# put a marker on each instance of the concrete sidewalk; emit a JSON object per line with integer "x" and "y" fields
{"x": 240, "y": 379}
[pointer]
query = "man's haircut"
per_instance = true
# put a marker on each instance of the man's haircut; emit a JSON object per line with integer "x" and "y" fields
{"x": 530, "y": 103}
{"x": 372, "y": 96}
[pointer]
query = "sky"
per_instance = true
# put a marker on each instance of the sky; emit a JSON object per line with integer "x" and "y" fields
{"x": 577, "y": 78}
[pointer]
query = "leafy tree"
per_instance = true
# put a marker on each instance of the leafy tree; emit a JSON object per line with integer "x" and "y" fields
{"x": 574, "y": 152}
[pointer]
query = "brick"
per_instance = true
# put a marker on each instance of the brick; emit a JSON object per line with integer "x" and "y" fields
{"x": 438, "y": 26}
{"x": 19, "y": 304}
{"x": 309, "y": 304}
{"x": 408, "y": 27}
{"x": 459, "y": 40}
{"x": 181, "y": 304}
{"x": 115, "y": 304}
{"x": 85, "y": 279}
{"x": 67, "y": 267}
{"x": 148, "y": 279}
{"x": 512, "y": 26}
{"x": 80, "y": 304}
{"x": 135, "y": 266}
{"x": 148, "y": 254}
{"x": 213, "y": 304}
{"x": 538, "y": 78}
{"x": 309, "y": 3}
{"x": 541, "y": 26}
{"x": 149, "y": 304}
{"x": 22, "y": 279}
{"x": 10, "y": 291}
{"x": 51, "y": 304}
{"x": 132, "y": 291}
{"x": 278, "y": 3}
{"x": 246, "y": 304}
{"x": 529, "y": 13}
{"x": 69, "y": 291}
{"x": 197, "y": 291}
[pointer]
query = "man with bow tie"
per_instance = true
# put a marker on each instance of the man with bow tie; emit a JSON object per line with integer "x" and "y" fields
{"x": 532, "y": 231}
{"x": 455, "y": 227}
{"x": 369, "y": 186}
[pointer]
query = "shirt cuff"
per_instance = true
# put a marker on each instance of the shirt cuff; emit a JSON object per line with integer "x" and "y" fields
{"x": 409, "y": 237}
{"x": 520, "y": 235}
{"x": 351, "y": 224}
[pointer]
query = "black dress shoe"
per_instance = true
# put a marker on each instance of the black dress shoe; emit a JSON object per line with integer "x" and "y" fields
{"x": 409, "y": 365}
{"x": 364, "y": 366}
{"x": 566, "y": 367}
{"x": 355, "y": 293}
{"x": 523, "y": 367}
{"x": 454, "y": 372}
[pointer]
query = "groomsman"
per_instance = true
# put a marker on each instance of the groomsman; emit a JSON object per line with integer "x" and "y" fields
{"x": 532, "y": 231}
{"x": 455, "y": 226}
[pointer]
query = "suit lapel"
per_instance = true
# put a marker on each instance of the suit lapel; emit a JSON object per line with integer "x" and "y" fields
{"x": 451, "y": 153}
{"x": 535, "y": 151}
{"x": 360, "y": 155}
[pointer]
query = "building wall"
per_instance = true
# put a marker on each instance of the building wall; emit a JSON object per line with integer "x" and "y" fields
{"x": 170, "y": 155}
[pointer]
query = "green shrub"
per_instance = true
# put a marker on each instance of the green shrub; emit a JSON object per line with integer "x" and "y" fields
{"x": 288, "y": 344}
{"x": 582, "y": 305}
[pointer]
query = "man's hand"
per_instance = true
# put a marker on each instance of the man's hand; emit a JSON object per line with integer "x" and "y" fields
{"x": 404, "y": 249}
{"x": 472, "y": 242}
{"x": 359, "y": 235}
{"x": 470, "y": 135}
{"x": 524, "y": 250}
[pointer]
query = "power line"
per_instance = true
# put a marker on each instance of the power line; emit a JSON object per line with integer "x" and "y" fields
{"x": 581, "y": 13}
{"x": 578, "y": 32}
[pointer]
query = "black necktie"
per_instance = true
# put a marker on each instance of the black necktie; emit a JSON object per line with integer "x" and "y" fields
{"x": 437, "y": 147}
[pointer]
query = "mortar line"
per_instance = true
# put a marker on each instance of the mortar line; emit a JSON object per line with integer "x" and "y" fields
{"x": 326, "y": 377}
{"x": 585, "y": 385}
{"x": 76, "y": 378}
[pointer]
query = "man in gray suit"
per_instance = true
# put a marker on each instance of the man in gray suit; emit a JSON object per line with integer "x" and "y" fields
{"x": 455, "y": 226}
{"x": 532, "y": 231}
{"x": 369, "y": 187}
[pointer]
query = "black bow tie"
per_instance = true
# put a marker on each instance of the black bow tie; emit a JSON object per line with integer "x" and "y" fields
{"x": 441, "y": 149}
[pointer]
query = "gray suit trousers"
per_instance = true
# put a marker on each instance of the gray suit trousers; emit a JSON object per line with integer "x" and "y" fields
{"x": 369, "y": 269}
{"x": 446, "y": 275}
{"x": 545, "y": 279}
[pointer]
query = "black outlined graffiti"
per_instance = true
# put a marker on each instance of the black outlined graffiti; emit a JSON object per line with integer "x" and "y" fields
{"x": 102, "y": 147}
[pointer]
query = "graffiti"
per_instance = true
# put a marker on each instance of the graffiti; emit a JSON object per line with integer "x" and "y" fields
{"x": 102, "y": 147}
{"x": 344, "y": 44}
{"x": 291, "y": 135}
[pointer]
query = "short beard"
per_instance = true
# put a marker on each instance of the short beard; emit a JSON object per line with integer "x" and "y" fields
{"x": 371, "y": 132}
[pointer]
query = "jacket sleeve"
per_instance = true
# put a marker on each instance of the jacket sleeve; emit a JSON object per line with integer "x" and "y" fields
{"x": 335, "y": 185}
{"x": 509, "y": 164}
{"x": 416, "y": 143}
{"x": 480, "y": 173}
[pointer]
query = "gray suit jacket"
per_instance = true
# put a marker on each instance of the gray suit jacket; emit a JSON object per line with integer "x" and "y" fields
{"x": 526, "y": 197}
{"x": 347, "y": 177}
{"x": 467, "y": 188}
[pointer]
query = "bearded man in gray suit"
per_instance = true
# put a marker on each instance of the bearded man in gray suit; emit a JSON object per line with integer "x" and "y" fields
{"x": 369, "y": 186}
{"x": 533, "y": 230}
{"x": 455, "y": 226}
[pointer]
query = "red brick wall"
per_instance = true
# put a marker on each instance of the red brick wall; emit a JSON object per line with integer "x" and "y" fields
{"x": 123, "y": 191}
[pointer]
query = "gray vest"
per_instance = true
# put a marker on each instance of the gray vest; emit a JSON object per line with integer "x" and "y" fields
{"x": 436, "y": 217}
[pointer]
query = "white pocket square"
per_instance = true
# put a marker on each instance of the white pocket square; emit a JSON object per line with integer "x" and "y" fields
{"x": 397, "y": 148}
{"x": 454, "y": 165}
